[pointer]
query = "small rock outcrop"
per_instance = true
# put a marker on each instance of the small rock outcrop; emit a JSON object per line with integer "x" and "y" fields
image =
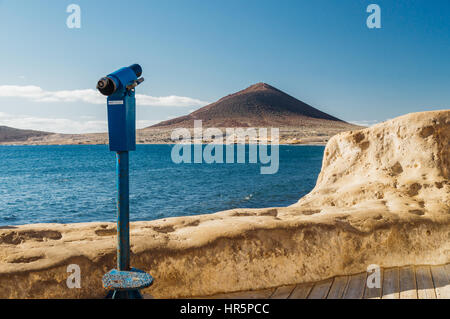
{"x": 400, "y": 166}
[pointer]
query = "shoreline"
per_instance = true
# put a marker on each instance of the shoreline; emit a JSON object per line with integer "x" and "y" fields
{"x": 268, "y": 144}
{"x": 287, "y": 135}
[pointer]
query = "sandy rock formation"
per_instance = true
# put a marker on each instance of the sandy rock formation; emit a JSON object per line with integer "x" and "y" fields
{"x": 382, "y": 197}
{"x": 400, "y": 166}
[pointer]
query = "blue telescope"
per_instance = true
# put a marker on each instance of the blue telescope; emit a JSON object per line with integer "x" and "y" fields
{"x": 119, "y": 86}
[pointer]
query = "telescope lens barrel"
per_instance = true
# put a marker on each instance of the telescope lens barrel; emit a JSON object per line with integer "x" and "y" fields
{"x": 137, "y": 69}
{"x": 106, "y": 86}
{"x": 120, "y": 79}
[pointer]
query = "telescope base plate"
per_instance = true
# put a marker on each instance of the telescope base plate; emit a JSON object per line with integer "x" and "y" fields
{"x": 126, "y": 284}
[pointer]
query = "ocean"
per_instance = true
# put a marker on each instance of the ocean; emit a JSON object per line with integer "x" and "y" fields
{"x": 76, "y": 183}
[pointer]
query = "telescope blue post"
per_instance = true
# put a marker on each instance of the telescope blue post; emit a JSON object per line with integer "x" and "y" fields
{"x": 124, "y": 282}
{"x": 123, "y": 211}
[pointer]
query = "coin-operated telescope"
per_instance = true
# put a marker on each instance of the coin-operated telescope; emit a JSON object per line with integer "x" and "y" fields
{"x": 123, "y": 282}
{"x": 119, "y": 86}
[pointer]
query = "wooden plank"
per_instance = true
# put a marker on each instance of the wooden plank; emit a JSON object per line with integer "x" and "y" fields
{"x": 338, "y": 287}
{"x": 320, "y": 289}
{"x": 374, "y": 293}
{"x": 425, "y": 287}
{"x": 391, "y": 289}
{"x": 355, "y": 286}
{"x": 447, "y": 269}
{"x": 396, "y": 283}
{"x": 441, "y": 280}
{"x": 407, "y": 278}
{"x": 301, "y": 291}
{"x": 282, "y": 292}
{"x": 255, "y": 294}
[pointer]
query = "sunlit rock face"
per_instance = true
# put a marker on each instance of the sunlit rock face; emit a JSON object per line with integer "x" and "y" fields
{"x": 399, "y": 166}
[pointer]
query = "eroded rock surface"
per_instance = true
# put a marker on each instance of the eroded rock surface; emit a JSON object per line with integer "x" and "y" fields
{"x": 382, "y": 197}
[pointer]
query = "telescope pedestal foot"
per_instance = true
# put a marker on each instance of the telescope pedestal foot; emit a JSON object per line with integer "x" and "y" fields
{"x": 124, "y": 294}
{"x": 126, "y": 284}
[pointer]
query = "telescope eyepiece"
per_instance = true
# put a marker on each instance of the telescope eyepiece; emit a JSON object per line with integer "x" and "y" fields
{"x": 106, "y": 86}
{"x": 123, "y": 79}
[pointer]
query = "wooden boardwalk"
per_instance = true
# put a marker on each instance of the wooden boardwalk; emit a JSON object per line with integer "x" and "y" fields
{"x": 414, "y": 282}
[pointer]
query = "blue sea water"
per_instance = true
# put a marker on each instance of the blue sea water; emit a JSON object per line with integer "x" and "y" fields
{"x": 68, "y": 184}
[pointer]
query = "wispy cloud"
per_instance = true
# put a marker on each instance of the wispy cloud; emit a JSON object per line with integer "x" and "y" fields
{"x": 365, "y": 122}
{"x": 37, "y": 94}
{"x": 60, "y": 125}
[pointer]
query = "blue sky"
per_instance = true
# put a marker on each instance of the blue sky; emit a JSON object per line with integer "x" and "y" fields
{"x": 196, "y": 51}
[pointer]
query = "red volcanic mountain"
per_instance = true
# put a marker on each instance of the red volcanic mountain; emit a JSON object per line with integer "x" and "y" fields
{"x": 260, "y": 105}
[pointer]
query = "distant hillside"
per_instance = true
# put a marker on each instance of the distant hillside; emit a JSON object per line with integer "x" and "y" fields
{"x": 260, "y": 105}
{"x": 13, "y": 134}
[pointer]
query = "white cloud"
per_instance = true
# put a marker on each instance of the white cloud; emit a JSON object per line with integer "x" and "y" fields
{"x": 37, "y": 94}
{"x": 364, "y": 122}
{"x": 61, "y": 125}
{"x": 171, "y": 100}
